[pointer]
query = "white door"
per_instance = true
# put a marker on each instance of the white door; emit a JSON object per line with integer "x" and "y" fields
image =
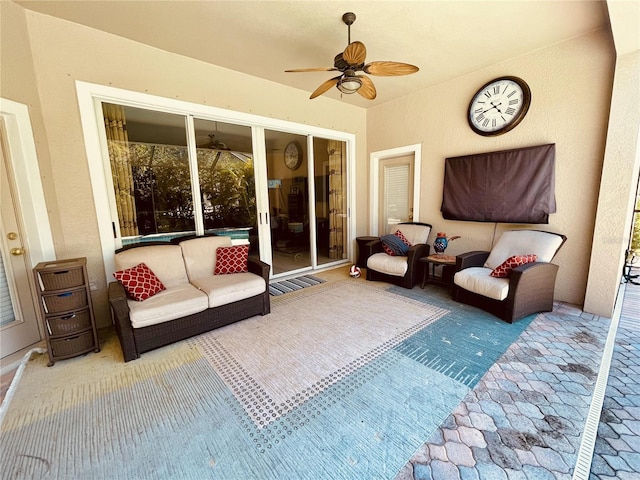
{"x": 396, "y": 192}
{"x": 18, "y": 318}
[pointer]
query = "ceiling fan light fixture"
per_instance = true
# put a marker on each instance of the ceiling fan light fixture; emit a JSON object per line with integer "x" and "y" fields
{"x": 349, "y": 84}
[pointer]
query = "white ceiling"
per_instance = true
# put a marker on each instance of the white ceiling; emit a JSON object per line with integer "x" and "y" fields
{"x": 445, "y": 39}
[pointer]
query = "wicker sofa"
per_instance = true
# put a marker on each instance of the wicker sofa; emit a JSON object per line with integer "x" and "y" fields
{"x": 194, "y": 300}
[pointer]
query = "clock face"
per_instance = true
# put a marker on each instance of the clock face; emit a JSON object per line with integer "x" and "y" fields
{"x": 292, "y": 156}
{"x": 499, "y": 106}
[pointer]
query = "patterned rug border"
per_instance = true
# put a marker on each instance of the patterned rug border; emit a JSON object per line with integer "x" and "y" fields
{"x": 263, "y": 410}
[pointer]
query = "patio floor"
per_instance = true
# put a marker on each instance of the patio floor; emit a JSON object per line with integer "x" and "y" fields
{"x": 527, "y": 417}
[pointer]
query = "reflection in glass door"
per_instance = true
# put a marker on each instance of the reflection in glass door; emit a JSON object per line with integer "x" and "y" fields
{"x": 289, "y": 209}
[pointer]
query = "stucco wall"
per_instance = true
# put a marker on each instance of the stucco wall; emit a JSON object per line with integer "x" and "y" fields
{"x": 18, "y": 83}
{"x": 571, "y": 88}
{"x": 63, "y": 52}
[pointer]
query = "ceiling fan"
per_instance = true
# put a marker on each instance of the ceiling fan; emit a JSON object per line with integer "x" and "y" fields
{"x": 351, "y": 61}
{"x": 213, "y": 144}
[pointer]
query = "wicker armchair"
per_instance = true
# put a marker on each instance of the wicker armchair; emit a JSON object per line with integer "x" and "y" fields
{"x": 403, "y": 271}
{"x": 529, "y": 288}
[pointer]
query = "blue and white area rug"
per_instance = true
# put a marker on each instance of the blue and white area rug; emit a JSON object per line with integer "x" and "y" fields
{"x": 345, "y": 380}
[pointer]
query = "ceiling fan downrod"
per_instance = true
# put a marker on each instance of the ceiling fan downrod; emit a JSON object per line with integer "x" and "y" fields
{"x": 348, "y": 18}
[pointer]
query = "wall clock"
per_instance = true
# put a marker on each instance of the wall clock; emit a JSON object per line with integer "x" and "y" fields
{"x": 499, "y": 106}
{"x": 292, "y": 156}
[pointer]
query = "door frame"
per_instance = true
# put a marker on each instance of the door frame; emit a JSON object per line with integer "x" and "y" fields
{"x": 32, "y": 207}
{"x": 374, "y": 161}
{"x": 90, "y": 96}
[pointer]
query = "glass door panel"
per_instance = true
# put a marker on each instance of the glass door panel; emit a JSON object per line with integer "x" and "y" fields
{"x": 330, "y": 200}
{"x": 288, "y": 187}
{"x": 150, "y": 170}
{"x": 227, "y": 180}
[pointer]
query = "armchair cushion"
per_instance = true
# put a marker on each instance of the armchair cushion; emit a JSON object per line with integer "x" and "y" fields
{"x": 479, "y": 280}
{"x": 504, "y": 269}
{"x": 518, "y": 242}
{"x": 414, "y": 233}
{"x": 388, "y": 264}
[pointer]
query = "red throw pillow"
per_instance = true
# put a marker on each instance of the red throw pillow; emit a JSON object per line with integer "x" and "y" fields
{"x": 139, "y": 282}
{"x": 390, "y": 251}
{"x": 400, "y": 235}
{"x": 231, "y": 259}
{"x": 504, "y": 270}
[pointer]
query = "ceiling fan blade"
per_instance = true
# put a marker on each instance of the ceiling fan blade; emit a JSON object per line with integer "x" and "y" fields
{"x": 389, "y": 69}
{"x": 315, "y": 69}
{"x": 367, "y": 90}
{"x": 325, "y": 86}
{"x": 355, "y": 53}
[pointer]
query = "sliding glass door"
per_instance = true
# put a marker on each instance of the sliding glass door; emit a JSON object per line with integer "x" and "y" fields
{"x": 175, "y": 174}
{"x": 307, "y": 197}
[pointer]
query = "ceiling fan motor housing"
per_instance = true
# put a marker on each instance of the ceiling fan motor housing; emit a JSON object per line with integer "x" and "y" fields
{"x": 340, "y": 63}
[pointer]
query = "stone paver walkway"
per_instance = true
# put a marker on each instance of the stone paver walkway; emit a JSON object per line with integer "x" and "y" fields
{"x": 525, "y": 418}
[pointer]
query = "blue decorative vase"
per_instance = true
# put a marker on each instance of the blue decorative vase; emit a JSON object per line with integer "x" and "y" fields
{"x": 440, "y": 243}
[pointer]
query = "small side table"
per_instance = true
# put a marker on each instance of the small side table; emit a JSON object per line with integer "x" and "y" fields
{"x": 362, "y": 241}
{"x": 446, "y": 261}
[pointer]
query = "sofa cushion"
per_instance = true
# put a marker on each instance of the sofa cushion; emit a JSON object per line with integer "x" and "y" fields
{"x": 479, "y": 280}
{"x": 200, "y": 255}
{"x": 165, "y": 261}
{"x": 172, "y": 303}
{"x": 391, "y": 265}
{"x": 139, "y": 282}
{"x": 224, "y": 289}
{"x": 414, "y": 234}
{"x": 504, "y": 269}
{"x": 519, "y": 242}
{"x": 232, "y": 259}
